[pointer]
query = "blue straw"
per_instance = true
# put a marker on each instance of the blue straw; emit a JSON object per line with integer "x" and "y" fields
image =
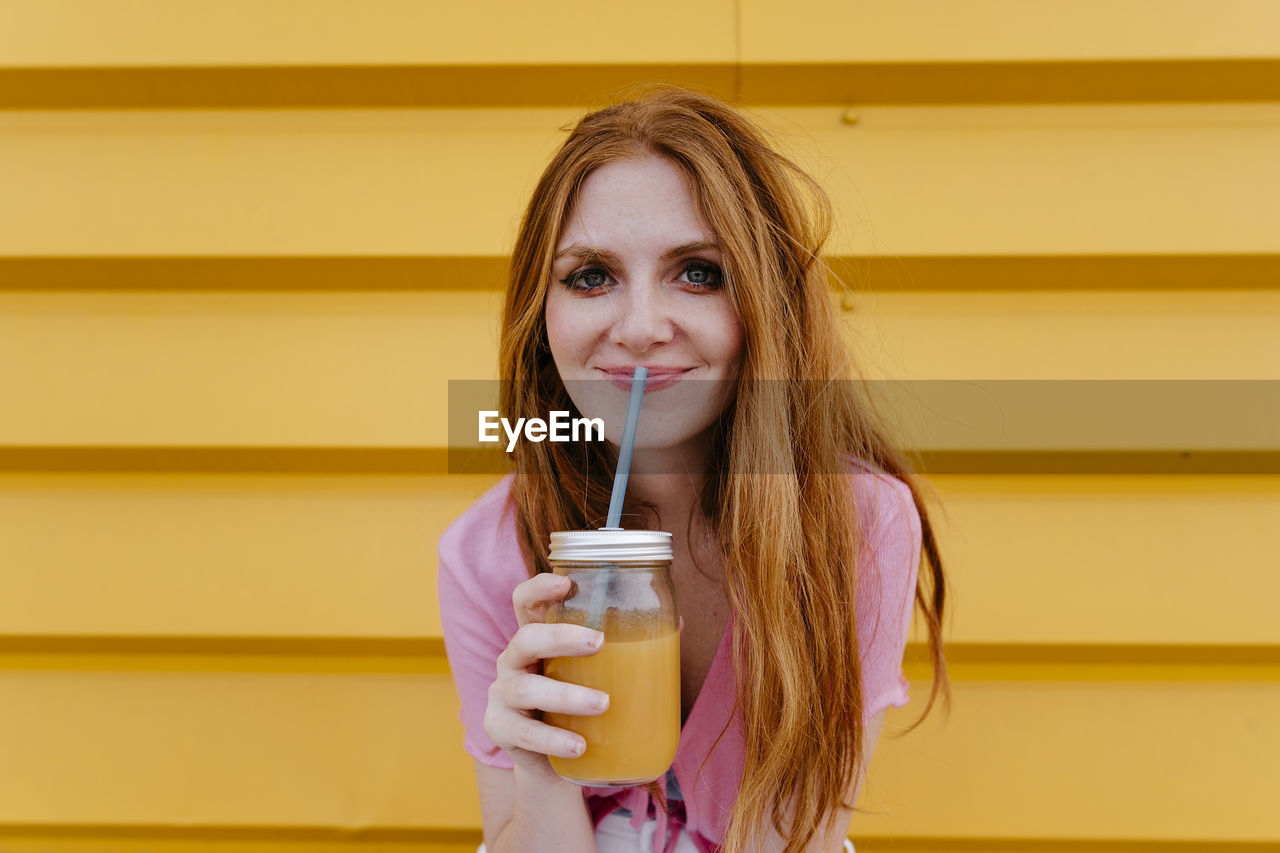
{"x": 628, "y": 442}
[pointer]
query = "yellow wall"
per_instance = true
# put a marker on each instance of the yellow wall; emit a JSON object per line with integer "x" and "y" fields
{"x": 244, "y": 246}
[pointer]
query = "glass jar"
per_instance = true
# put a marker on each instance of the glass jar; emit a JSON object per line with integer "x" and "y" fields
{"x": 621, "y": 585}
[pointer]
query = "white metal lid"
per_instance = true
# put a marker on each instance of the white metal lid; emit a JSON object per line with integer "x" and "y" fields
{"x": 611, "y": 544}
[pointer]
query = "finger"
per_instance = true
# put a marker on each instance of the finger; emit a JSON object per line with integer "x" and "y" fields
{"x": 537, "y": 736}
{"x": 531, "y": 597}
{"x": 529, "y": 692}
{"x": 539, "y": 640}
{"x": 520, "y": 733}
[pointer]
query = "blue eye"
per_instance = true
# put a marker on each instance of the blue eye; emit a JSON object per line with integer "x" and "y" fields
{"x": 574, "y": 280}
{"x": 703, "y": 274}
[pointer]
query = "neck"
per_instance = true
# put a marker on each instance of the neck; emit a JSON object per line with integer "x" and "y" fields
{"x": 674, "y": 495}
{"x": 670, "y": 478}
{"x": 677, "y": 498}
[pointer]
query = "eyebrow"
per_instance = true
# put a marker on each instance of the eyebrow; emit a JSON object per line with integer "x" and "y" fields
{"x": 591, "y": 253}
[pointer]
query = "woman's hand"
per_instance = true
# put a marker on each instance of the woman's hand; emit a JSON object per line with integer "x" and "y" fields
{"x": 519, "y": 691}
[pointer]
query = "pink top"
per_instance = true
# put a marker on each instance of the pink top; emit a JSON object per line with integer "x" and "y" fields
{"x": 481, "y": 564}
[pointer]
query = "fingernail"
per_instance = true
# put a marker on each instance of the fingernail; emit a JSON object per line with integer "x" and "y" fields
{"x": 577, "y": 747}
{"x": 600, "y": 701}
{"x": 595, "y": 640}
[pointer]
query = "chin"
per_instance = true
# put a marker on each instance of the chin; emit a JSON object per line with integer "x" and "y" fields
{"x": 692, "y": 437}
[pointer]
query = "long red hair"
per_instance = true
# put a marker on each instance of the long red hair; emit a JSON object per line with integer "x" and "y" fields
{"x": 789, "y": 543}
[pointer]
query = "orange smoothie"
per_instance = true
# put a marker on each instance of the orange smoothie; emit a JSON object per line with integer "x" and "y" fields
{"x": 634, "y": 740}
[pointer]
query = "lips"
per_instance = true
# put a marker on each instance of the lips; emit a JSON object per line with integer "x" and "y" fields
{"x": 657, "y": 379}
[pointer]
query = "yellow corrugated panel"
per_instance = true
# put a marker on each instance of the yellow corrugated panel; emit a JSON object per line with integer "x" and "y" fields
{"x": 198, "y": 654}
{"x": 1049, "y": 180}
{"x": 96, "y": 840}
{"x": 232, "y": 33}
{"x": 292, "y": 53}
{"x": 1210, "y": 334}
{"x": 348, "y": 370}
{"x": 827, "y": 51}
{"x": 239, "y": 370}
{"x": 1082, "y": 761}
{"x": 345, "y": 753}
{"x": 242, "y": 556}
{"x": 1119, "y": 183}
{"x": 348, "y": 564}
{"x": 401, "y": 32}
{"x": 1111, "y": 560}
{"x": 1008, "y": 30}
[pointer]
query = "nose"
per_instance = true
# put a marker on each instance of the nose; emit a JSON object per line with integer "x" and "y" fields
{"x": 644, "y": 318}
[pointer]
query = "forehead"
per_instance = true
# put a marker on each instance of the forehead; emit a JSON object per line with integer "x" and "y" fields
{"x": 640, "y": 198}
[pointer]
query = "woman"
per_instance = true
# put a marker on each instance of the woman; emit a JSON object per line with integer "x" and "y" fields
{"x": 668, "y": 232}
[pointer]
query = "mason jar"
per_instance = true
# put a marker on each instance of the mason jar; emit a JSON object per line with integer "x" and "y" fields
{"x": 621, "y": 585}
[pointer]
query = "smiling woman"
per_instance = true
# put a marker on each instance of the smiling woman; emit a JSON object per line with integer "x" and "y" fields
{"x": 648, "y": 291}
{"x": 668, "y": 233}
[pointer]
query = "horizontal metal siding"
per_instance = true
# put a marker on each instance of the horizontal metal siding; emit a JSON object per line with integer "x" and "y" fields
{"x": 226, "y": 337}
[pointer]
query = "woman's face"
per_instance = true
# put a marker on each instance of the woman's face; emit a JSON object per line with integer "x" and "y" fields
{"x": 636, "y": 281}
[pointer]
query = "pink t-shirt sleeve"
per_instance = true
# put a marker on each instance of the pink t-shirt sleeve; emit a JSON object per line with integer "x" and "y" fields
{"x": 889, "y": 561}
{"x": 480, "y": 565}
